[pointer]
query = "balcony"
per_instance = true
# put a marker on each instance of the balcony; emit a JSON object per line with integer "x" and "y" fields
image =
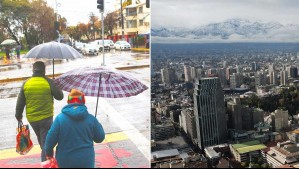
{"x": 131, "y": 14}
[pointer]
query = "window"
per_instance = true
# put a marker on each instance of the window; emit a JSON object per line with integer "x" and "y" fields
{"x": 132, "y": 24}
{"x": 140, "y": 22}
{"x": 131, "y": 11}
{"x": 140, "y": 9}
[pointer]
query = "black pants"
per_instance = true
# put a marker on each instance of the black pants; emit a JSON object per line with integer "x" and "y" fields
{"x": 41, "y": 129}
{"x": 7, "y": 56}
{"x": 18, "y": 54}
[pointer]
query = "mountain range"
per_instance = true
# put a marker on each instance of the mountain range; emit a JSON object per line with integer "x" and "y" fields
{"x": 232, "y": 30}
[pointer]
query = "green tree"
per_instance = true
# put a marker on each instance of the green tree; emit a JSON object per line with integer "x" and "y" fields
{"x": 73, "y": 32}
{"x": 34, "y": 19}
{"x": 41, "y": 28}
{"x": 13, "y": 14}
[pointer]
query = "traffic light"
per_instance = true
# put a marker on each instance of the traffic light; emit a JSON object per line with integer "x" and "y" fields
{"x": 100, "y": 5}
{"x": 147, "y": 3}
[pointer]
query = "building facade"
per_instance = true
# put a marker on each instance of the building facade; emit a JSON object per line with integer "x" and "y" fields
{"x": 293, "y": 72}
{"x": 209, "y": 110}
{"x": 235, "y": 80}
{"x": 188, "y": 123}
{"x": 260, "y": 79}
{"x": 280, "y": 119}
{"x": 196, "y": 73}
{"x": 187, "y": 72}
{"x": 234, "y": 113}
{"x": 168, "y": 75}
{"x": 284, "y": 78}
{"x": 136, "y": 17}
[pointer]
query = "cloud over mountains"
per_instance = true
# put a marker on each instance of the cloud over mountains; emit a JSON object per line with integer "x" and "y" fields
{"x": 232, "y": 30}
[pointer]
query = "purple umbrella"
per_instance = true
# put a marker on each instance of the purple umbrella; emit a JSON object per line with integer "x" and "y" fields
{"x": 100, "y": 82}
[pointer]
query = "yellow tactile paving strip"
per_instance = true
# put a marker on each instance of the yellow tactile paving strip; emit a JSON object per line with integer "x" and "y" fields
{"x": 11, "y": 153}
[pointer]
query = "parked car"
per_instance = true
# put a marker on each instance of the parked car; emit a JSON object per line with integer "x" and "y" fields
{"x": 122, "y": 45}
{"x": 99, "y": 43}
{"x": 90, "y": 49}
{"x": 110, "y": 43}
{"x": 78, "y": 46}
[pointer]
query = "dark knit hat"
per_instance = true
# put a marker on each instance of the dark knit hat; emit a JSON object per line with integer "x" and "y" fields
{"x": 76, "y": 96}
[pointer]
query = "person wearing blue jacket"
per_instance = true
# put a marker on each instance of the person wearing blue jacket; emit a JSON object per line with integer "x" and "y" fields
{"x": 74, "y": 131}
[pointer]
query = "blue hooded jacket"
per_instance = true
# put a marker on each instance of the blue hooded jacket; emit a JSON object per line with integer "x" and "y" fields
{"x": 74, "y": 130}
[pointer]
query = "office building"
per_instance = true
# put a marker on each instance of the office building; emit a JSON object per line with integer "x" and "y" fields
{"x": 234, "y": 113}
{"x": 280, "y": 119}
{"x": 196, "y": 73}
{"x": 273, "y": 78}
{"x": 230, "y": 71}
{"x": 209, "y": 110}
{"x": 293, "y": 72}
{"x": 260, "y": 79}
{"x": 243, "y": 151}
{"x": 222, "y": 77}
{"x": 235, "y": 80}
{"x": 188, "y": 123}
{"x": 187, "y": 72}
{"x": 284, "y": 78}
{"x": 254, "y": 66}
{"x": 168, "y": 75}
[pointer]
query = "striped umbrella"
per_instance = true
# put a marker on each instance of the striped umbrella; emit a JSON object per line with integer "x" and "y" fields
{"x": 100, "y": 82}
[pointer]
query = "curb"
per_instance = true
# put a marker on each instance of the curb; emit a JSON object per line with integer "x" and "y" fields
{"x": 58, "y": 74}
{"x": 141, "y": 49}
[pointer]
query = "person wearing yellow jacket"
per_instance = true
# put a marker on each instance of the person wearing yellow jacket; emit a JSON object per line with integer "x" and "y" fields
{"x": 38, "y": 94}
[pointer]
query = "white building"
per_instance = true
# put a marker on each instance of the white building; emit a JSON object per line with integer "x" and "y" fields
{"x": 136, "y": 20}
{"x": 280, "y": 119}
{"x": 187, "y": 72}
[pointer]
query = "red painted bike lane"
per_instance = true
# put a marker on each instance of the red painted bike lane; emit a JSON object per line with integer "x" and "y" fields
{"x": 120, "y": 154}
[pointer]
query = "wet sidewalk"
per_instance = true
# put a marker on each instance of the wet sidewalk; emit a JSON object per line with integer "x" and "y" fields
{"x": 117, "y": 151}
{"x": 125, "y": 120}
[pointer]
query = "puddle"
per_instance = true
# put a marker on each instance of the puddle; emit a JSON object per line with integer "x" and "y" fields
{"x": 10, "y": 90}
{"x": 139, "y": 56}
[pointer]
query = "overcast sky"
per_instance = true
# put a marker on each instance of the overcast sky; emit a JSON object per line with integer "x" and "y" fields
{"x": 79, "y": 10}
{"x": 190, "y": 13}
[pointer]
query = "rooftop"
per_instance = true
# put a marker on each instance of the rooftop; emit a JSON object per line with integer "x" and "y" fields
{"x": 292, "y": 149}
{"x": 211, "y": 153}
{"x": 248, "y": 146}
{"x": 165, "y": 153}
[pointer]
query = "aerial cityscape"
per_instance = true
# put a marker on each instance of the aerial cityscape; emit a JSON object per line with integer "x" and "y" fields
{"x": 224, "y": 89}
{"x": 225, "y": 105}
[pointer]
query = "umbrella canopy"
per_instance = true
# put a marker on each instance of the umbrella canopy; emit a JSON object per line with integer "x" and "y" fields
{"x": 8, "y": 42}
{"x": 53, "y": 50}
{"x": 101, "y": 82}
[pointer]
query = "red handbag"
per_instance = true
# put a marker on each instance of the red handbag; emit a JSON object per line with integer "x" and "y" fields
{"x": 24, "y": 143}
{"x": 50, "y": 163}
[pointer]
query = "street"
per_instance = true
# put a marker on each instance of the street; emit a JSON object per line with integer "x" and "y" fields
{"x": 126, "y": 120}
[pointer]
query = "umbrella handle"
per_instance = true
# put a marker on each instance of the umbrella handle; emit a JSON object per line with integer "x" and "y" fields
{"x": 100, "y": 78}
{"x": 53, "y": 69}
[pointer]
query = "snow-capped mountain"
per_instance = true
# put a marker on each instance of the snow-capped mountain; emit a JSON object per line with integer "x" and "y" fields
{"x": 233, "y": 30}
